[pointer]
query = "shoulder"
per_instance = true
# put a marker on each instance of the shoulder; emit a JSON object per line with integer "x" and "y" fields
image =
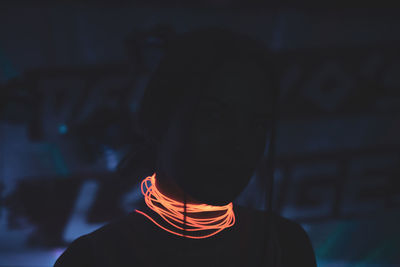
{"x": 295, "y": 244}
{"x": 260, "y": 218}
{"x": 77, "y": 254}
{"x": 289, "y": 239}
{"x": 110, "y": 240}
{"x": 289, "y": 229}
{"x": 285, "y": 227}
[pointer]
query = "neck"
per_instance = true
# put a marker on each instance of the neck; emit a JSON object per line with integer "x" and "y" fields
{"x": 206, "y": 220}
{"x": 168, "y": 187}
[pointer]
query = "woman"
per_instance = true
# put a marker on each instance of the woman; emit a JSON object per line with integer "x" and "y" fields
{"x": 207, "y": 111}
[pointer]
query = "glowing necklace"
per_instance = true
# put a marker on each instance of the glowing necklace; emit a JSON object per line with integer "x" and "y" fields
{"x": 172, "y": 212}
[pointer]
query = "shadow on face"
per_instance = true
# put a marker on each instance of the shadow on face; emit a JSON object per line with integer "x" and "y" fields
{"x": 217, "y": 136}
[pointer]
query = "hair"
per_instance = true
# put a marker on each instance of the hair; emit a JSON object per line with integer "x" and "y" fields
{"x": 190, "y": 62}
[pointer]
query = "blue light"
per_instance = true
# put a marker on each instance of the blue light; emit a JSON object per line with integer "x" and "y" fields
{"x": 63, "y": 129}
{"x": 111, "y": 158}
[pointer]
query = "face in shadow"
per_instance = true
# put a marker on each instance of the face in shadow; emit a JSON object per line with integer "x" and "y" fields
{"x": 217, "y": 135}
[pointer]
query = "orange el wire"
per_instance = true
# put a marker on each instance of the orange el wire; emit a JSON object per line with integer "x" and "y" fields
{"x": 172, "y": 212}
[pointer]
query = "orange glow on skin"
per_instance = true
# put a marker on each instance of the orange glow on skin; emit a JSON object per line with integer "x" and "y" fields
{"x": 172, "y": 212}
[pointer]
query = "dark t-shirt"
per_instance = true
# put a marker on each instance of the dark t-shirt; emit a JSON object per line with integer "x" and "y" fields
{"x": 135, "y": 241}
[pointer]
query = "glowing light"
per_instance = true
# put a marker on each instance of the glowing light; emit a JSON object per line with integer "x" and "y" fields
{"x": 63, "y": 129}
{"x": 172, "y": 212}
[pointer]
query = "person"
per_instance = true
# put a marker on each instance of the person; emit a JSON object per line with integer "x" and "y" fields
{"x": 207, "y": 111}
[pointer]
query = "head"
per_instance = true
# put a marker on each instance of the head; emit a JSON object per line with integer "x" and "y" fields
{"x": 208, "y": 110}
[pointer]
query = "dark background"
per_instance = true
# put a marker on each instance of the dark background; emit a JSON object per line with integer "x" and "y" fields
{"x": 71, "y": 78}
